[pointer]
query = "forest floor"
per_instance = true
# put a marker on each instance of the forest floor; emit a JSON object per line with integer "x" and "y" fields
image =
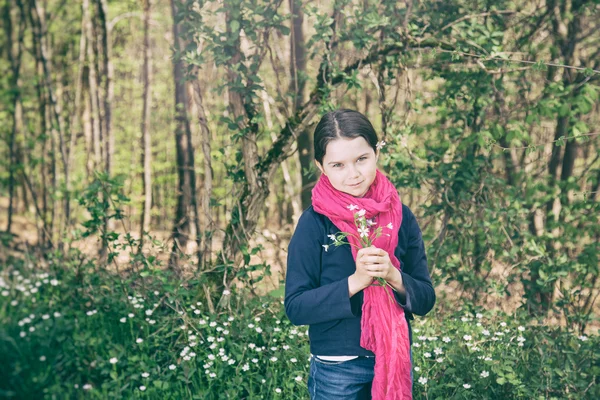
{"x": 274, "y": 244}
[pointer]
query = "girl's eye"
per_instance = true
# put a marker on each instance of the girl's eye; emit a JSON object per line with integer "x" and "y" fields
{"x": 362, "y": 158}
{"x": 336, "y": 165}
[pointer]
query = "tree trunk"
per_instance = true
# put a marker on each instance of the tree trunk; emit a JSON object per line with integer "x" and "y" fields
{"x": 181, "y": 226}
{"x": 146, "y": 141}
{"x": 297, "y": 85}
{"x": 15, "y": 85}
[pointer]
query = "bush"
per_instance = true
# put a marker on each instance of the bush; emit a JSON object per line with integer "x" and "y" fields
{"x": 75, "y": 334}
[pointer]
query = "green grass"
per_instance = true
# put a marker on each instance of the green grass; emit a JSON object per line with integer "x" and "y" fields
{"x": 60, "y": 330}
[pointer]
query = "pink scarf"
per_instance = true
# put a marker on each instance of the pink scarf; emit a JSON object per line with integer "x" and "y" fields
{"x": 384, "y": 329}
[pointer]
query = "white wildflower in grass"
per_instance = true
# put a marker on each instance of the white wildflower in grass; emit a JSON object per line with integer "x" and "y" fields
{"x": 478, "y": 316}
{"x": 416, "y": 330}
{"x": 87, "y": 386}
{"x": 42, "y": 358}
{"x": 197, "y": 312}
{"x": 212, "y": 324}
{"x": 139, "y": 340}
{"x": 503, "y": 324}
{"x": 298, "y": 379}
{"x": 439, "y": 359}
{"x": 255, "y": 360}
{"x": 417, "y": 369}
{"x": 14, "y": 303}
{"x": 438, "y": 351}
{"x": 485, "y": 332}
{"x": 293, "y": 360}
{"x": 259, "y": 330}
{"x": 5, "y": 293}
{"x": 467, "y": 386}
{"x": 520, "y": 339}
{"x": 380, "y": 144}
{"x": 226, "y": 292}
{"x": 521, "y": 329}
{"x": 277, "y": 390}
{"x": 488, "y": 359}
{"x": 148, "y": 312}
{"x": 499, "y": 333}
{"x": 464, "y": 319}
{"x": 416, "y": 345}
{"x": 201, "y": 322}
{"x": 245, "y": 367}
{"x": 251, "y": 326}
{"x": 583, "y": 338}
{"x": 212, "y": 375}
{"x": 230, "y": 319}
{"x": 286, "y": 347}
{"x": 45, "y": 316}
{"x": 251, "y": 345}
{"x": 151, "y": 322}
{"x": 145, "y": 374}
{"x": 485, "y": 374}
{"x": 422, "y": 338}
{"x": 446, "y": 339}
{"x": 273, "y": 359}
{"x": 220, "y": 339}
{"x": 423, "y": 380}
{"x": 22, "y": 334}
{"x": 172, "y": 367}
{"x": 211, "y": 356}
{"x": 142, "y": 388}
{"x": 131, "y": 315}
{"x": 210, "y": 339}
{"x": 467, "y": 337}
{"x": 231, "y": 361}
{"x": 113, "y": 360}
{"x": 428, "y": 355}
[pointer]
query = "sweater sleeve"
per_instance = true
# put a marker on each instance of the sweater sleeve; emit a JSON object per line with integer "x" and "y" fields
{"x": 306, "y": 301}
{"x": 420, "y": 294}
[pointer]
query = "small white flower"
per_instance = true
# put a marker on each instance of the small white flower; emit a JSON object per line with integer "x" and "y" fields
{"x": 361, "y": 213}
{"x": 273, "y": 359}
{"x": 583, "y": 338}
{"x": 145, "y": 374}
{"x": 226, "y": 292}
{"x": 521, "y": 329}
{"x": 332, "y": 237}
{"x": 326, "y": 247}
{"x": 438, "y": 351}
{"x": 139, "y": 340}
{"x": 428, "y": 355}
{"x": 231, "y": 361}
{"x": 277, "y": 390}
{"x": 390, "y": 226}
{"x": 485, "y": 374}
{"x": 416, "y": 345}
{"x": 352, "y": 207}
{"x": 245, "y": 367}
{"x": 293, "y": 360}
{"x": 172, "y": 367}
{"x": 423, "y": 380}
{"x": 467, "y": 386}
{"x": 251, "y": 326}
{"x": 123, "y": 320}
{"x": 417, "y": 369}
{"x": 446, "y": 339}
{"x": 87, "y": 386}
{"x": 502, "y": 324}
{"x": 255, "y": 360}
{"x": 211, "y": 356}
{"x": 113, "y": 360}
{"x": 380, "y": 144}
{"x": 364, "y": 232}
{"x": 479, "y": 316}
{"x": 43, "y": 358}
{"x": 142, "y": 388}
{"x": 259, "y": 330}
{"x": 131, "y": 315}
{"x": 148, "y": 312}
{"x": 485, "y": 332}
{"x": 464, "y": 319}
{"x": 520, "y": 339}
{"x": 298, "y": 379}
{"x": 212, "y": 324}
{"x": 467, "y": 337}
{"x": 488, "y": 359}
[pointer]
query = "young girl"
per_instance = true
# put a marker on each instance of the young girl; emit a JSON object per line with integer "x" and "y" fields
{"x": 359, "y": 338}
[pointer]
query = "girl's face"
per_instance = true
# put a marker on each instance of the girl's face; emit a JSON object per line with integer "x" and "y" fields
{"x": 350, "y": 165}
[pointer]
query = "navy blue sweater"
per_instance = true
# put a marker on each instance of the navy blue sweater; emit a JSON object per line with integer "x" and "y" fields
{"x": 316, "y": 286}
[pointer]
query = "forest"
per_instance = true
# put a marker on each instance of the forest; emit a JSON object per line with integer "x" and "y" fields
{"x": 155, "y": 157}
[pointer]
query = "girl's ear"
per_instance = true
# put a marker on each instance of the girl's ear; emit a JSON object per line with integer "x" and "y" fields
{"x": 318, "y": 164}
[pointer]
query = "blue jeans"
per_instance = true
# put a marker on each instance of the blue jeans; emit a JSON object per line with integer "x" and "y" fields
{"x": 342, "y": 380}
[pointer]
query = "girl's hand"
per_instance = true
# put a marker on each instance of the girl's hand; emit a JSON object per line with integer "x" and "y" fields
{"x": 376, "y": 263}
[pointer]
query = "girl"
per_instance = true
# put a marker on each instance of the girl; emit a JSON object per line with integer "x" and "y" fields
{"x": 359, "y": 338}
